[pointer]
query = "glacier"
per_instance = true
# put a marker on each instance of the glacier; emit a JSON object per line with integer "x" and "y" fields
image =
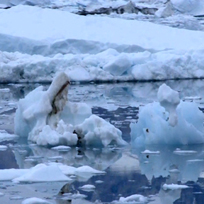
{"x": 49, "y": 46}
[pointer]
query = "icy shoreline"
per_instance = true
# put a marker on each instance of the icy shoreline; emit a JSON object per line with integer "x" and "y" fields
{"x": 94, "y": 48}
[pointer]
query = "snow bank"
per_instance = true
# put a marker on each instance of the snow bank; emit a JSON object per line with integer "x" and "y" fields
{"x": 155, "y": 125}
{"x": 39, "y": 117}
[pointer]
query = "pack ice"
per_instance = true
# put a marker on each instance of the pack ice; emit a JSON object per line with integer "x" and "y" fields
{"x": 169, "y": 121}
{"x": 46, "y": 118}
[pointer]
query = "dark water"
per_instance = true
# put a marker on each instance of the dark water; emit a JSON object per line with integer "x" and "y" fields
{"x": 128, "y": 170}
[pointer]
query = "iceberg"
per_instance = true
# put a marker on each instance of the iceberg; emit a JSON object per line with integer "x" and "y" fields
{"x": 169, "y": 121}
{"x": 40, "y": 118}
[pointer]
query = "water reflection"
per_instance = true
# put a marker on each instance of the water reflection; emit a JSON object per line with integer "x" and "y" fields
{"x": 128, "y": 171}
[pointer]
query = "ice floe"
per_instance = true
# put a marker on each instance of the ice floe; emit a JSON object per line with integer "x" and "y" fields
{"x": 133, "y": 199}
{"x": 178, "y": 123}
{"x": 38, "y": 118}
{"x": 35, "y": 200}
{"x": 5, "y": 136}
{"x": 174, "y": 186}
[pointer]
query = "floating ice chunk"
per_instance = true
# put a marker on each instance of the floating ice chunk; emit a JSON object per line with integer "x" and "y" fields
{"x": 88, "y": 187}
{"x": 39, "y": 116}
{"x": 62, "y": 148}
{"x": 174, "y": 187}
{"x": 88, "y": 169}
{"x": 3, "y": 147}
{"x": 150, "y": 152}
{"x": 35, "y": 200}
{"x": 95, "y": 130}
{"x": 134, "y": 198}
{"x": 43, "y": 173}
{"x": 40, "y": 108}
{"x": 186, "y": 121}
{"x": 4, "y": 136}
{"x": 184, "y": 152}
{"x": 169, "y": 99}
{"x": 62, "y": 135}
{"x": 9, "y": 174}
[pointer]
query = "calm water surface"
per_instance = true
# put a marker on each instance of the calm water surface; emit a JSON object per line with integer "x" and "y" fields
{"x": 128, "y": 170}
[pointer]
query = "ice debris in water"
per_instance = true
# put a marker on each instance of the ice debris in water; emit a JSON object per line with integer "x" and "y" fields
{"x": 169, "y": 121}
{"x": 35, "y": 200}
{"x": 88, "y": 187}
{"x": 46, "y": 118}
{"x": 133, "y": 198}
{"x": 174, "y": 186}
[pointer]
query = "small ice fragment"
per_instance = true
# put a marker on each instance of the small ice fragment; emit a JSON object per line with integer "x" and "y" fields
{"x": 150, "y": 152}
{"x": 192, "y": 98}
{"x": 174, "y": 187}
{"x": 5, "y": 90}
{"x": 35, "y": 200}
{"x": 99, "y": 181}
{"x": 133, "y": 198}
{"x": 184, "y": 152}
{"x": 16, "y": 198}
{"x": 88, "y": 187}
{"x": 3, "y": 147}
{"x": 62, "y": 148}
